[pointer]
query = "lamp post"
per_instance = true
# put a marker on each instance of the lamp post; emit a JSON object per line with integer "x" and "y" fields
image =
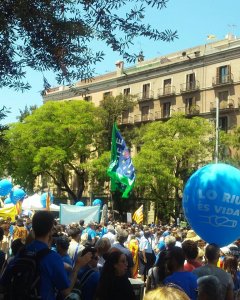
{"x": 217, "y": 131}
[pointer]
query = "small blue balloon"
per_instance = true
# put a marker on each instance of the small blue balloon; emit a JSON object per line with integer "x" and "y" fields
{"x": 17, "y": 195}
{"x": 5, "y": 187}
{"x": 97, "y": 202}
{"x": 211, "y": 203}
{"x": 79, "y": 203}
{"x": 8, "y": 201}
{"x": 44, "y": 198}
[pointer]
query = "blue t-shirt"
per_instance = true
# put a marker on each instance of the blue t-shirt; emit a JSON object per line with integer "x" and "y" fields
{"x": 186, "y": 280}
{"x": 68, "y": 260}
{"x": 90, "y": 286}
{"x": 91, "y": 233}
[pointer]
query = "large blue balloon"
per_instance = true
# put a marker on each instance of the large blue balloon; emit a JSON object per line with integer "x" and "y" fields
{"x": 8, "y": 201}
{"x": 43, "y": 199}
{"x": 17, "y": 195}
{"x": 79, "y": 203}
{"x": 211, "y": 203}
{"x": 5, "y": 187}
{"x": 97, "y": 202}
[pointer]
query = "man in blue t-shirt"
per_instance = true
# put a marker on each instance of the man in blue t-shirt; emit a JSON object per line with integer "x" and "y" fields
{"x": 91, "y": 231}
{"x": 53, "y": 276}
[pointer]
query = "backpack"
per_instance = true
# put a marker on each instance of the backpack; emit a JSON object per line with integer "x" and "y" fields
{"x": 24, "y": 275}
{"x": 76, "y": 293}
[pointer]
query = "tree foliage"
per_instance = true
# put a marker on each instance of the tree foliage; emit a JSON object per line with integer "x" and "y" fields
{"x": 26, "y": 112}
{"x": 56, "y": 141}
{"x": 56, "y": 35}
{"x": 170, "y": 152}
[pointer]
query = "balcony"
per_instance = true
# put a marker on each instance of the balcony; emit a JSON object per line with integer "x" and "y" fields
{"x": 193, "y": 110}
{"x": 189, "y": 87}
{"x": 143, "y": 118}
{"x": 224, "y": 104}
{"x": 145, "y": 96}
{"x": 222, "y": 80}
{"x": 163, "y": 114}
{"x": 166, "y": 91}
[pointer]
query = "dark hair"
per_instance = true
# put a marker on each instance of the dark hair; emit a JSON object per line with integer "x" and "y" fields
{"x": 107, "y": 276}
{"x": 42, "y": 223}
{"x": 1, "y": 233}
{"x": 175, "y": 258}
{"x": 212, "y": 252}
{"x": 63, "y": 242}
{"x": 81, "y": 222}
{"x": 88, "y": 249}
{"x": 231, "y": 265}
{"x": 73, "y": 232}
{"x": 209, "y": 286}
{"x": 16, "y": 246}
{"x": 190, "y": 249}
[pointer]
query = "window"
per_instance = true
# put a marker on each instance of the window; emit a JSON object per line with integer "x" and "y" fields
{"x": 107, "y": 94}
{"x": 167, "y": 86}
{"x": 190, "y": 81}
{"x": 146, "y": 91}
{"x": 126, "y": 92}
{"x": 145, "y": 113}
{"x": 190, "y": 103}
{"x": 223, "y": 74}
{"x": 223, "y": 123}
{"x": 125, "y": 116}
{"x": 88, "y": 98}
{"x": 166, "y": 110}
{"x": 223, "y": 99}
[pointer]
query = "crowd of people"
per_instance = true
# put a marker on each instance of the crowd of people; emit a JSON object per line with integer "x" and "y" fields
{"x": 97, "y": 261}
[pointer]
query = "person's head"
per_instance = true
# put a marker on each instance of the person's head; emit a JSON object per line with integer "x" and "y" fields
{"x": 62, "y": 244}
{"x": 81, "y": 223}
{"x": 147, "y": 234}
{"x": 190, "y": 249}
{"x": 175, "y": 259}
{"x": 103, "y": 245}
{"x": 169, "y": 241}
{"x": 111, "y": 229}
{"x": 16, "y": 246}
{"x": 212, "y": 253}
{"x": 94, "y": 258}
{"x": 230, "y": 264}
{"x": 42, "y": 224}
{"x": 115, "y": 264}
{"x": 209, "y": 288}
{"x": 122, "y": 236}
{"x": 166, "y": 293}
{"x": 74, "y": 233}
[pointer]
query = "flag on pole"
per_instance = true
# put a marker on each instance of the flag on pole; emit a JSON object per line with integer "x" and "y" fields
{"x": 138, "y": 215}
{"x": 121, "y": 170}
{"x": 48, "y": 201}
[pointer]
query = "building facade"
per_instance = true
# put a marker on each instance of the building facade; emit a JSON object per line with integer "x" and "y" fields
{"x": 190, "y": 81}
{"x": 187, "y": 81}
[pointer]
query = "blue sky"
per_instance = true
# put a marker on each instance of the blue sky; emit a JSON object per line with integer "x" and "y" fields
{"x": 193, "y": 19}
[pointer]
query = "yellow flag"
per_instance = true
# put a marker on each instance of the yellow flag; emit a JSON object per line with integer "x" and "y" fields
{"x": 48, "y": 201}
{"x": 8, "y": 212}
{"x": 138, "y": 215}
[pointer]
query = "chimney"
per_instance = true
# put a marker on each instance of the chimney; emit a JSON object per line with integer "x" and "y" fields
{"x": 119, "y": 66}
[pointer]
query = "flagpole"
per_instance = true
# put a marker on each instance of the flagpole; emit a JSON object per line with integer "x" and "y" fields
{"x": 217, "y": 131}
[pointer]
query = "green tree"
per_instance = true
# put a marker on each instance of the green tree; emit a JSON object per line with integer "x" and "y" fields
{"x": 3, "y": 143}
{"x": 170, "y": 152}
{"x": 55, "y": 141}
{"x": 112, "y": 109}
{"x": 57, "y": 35}
{"x": 26, "y": 112}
